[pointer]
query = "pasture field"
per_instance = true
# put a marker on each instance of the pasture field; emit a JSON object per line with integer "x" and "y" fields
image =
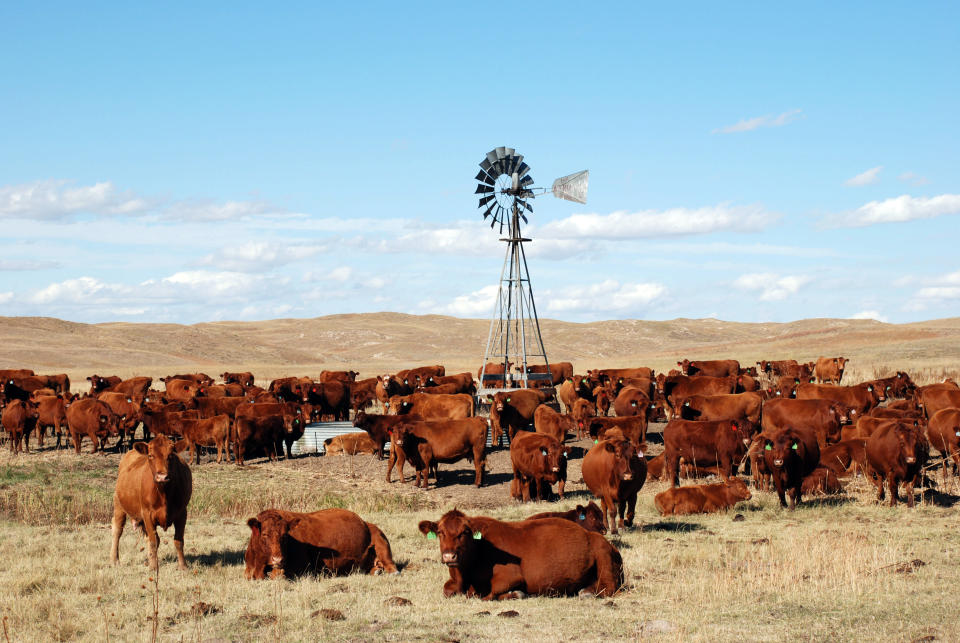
{"x": 836, "y": 569}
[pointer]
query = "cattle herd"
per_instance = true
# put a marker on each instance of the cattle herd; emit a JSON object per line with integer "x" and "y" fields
{"x": 788, "y": 425}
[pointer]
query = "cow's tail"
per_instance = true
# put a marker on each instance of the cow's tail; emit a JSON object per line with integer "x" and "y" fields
{"x": 381, "y": 547}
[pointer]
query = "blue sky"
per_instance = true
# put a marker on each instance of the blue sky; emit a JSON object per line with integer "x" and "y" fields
{"x": 748, "y": 162}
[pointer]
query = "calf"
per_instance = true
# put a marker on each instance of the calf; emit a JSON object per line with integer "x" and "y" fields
{"x": 699, "y": 499}
{"x": 590, "y": 517}
{"x": 19, "y": 420}
{"x": 790, "y": 455}
{"x": 572, "y": 389}
{"x": 896, "y": 453}
{"x": 332, "y": 541}
{"x": 583, "y": 410}
{"x": 720, "y": 443}
{"x": 210, "y": 432}
{"x": 844, "y": 456}
{"x": 153, "y": 488}
{"x": 631, "y": 401}
{"x": 821, "y": 482}
{"x": 539, "y": 461}
{"x": 614, "y": 471}
{"x": 493, "y": 559}
{"x": 349, "y": 444}
{"x": 443, "y": 441}
{"x": 51, "y": 412}
{"x": 556, "y": 425}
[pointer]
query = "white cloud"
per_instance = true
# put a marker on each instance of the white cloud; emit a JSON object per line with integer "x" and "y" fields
{"x": 343, "y": 273}
{"x": 726, "y": 248}
{"x": 899, "y": 209}
{"x": 758, "y": 122}
{"x": 771, "y": 287}
{"x": 864, "y": 178}
{"x": 479, "y": 302}
{"x": 210, "y": 211}
{"x": 81, "y": 290}
{"x": 257, "y": 256}
{"x": 913, "y": 178}
{"x": 659, "y": 223}
{"x": 607, "y": 296}
{"x": 869, "y": 314}
{"x": 6, "y": 297}
{"x": 51, "y": 200}
{"x": 27, "y": 264}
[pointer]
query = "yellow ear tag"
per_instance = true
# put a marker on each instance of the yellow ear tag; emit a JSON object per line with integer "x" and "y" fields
{"x": 431, "y": 535}
{"x": 477, "y": 535}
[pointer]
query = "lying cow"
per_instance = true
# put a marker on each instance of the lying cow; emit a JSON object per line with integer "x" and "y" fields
{"x": 706, "y": 498}
{"x": 588, "y": 516}
{"x": 493, "y": 559}
{"x": 349, "y": 444}
{"x": 336, "y": 541}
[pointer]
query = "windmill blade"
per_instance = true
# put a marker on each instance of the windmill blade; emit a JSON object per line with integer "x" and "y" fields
{"x": 510, "y": 151}
{"x": 489, "y": 210}
{"x": 492, "y": 156}
{"x": 483, "y": 176}
{"x": 522, "y": 169}
{"x": 500, "y": 152}
{"x": 524, "y": 217}
{"x": 487, "y": 167}
{"x": 527, "y": 206}
{"x": 483, "y": 189}
{"x": 525, "y": 181}
{"x": 572, "y": 187}
{"x": 486, "y": 199}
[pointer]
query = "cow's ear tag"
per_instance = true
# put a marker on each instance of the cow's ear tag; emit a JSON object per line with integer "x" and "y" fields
{"x": 477, "y": 535}
{"x": 958, "y": 434}
{"x": 543, "y": 452}
{"x": 768, "y": 448}
{"x": 596, "y": 441}
{"x": 431, "y": 535}
{"x": 508, "y": 399}
{"x": 583, "y": 516}
{"x": 794, "y": 447}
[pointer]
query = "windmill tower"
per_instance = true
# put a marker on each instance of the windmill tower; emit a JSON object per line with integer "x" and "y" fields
{"x": 505, "y": 188}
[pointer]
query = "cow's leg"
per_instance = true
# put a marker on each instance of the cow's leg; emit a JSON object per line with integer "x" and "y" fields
{"x": 892, "y": 484}
{"x": 391, "y": 461}
{"x": 779, "y": 483}
{"x": 670, "y": 467}
{"x": 560, "y": 486}
{"x": 178, "y": 527}
{"x": 631, "y": 509}
{"x": 41, "y": 431}
{"x": 153, "y": 543}
{"x": 908, "y": 488}
{"x": 610, "y": 512}
{"x": 119, "y": 520}
{"x": 479, "y": 461}
{"x": 506, "y": 583}
{"x": 26, "y": 441}
{"x": 795, "y": 494}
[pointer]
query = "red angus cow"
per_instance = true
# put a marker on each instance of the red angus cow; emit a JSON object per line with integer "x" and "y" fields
{"x": 287, "y": 389}
{"x": 415, "y": 377}
{"x": 790, "y": 455}
{"x": 201, "y": 379}
{"x": 243, "y": 379}
{"x": 331, "y": 541}
{"x": 733, "y": 406}
{"x": 844, "y": 455}
{"x": 512, "y": 411}
{"x": 19, "y": 420}
{"x": 615, "y": 471}
{"x": 497, "y": 560}
{"x": 830, "y": 369}
{"x": 211, "y": 432}
{"x": 678, "y": 387}
{"x": 939, "y": 397}
{"x": 128, "y": 412}
{"x": 182, "y": 389}
{"x": 702, "y": 444}
{"x": 11, "y": 373}
{"x": 776, "y": 367}
{"x": 135, "y": 387}
{"x": 588, "y": 516}
{"x": 896, "y": 453}
{"x": 539, "y": 461}
{"x": 559, "y": 372}
{"x": 363, "y": 393}
{"x": 633, "y": 428}
{"x": 710, "y": 368}
{"x": 549, "y": 422}
{"x": 433, "y": 407}
{"x": 153, "y": 488}
{"x": 867, "y": 426}
{"x": 338, "y": 376}
{"x": 824, "y": 417}
{"x": 573, "y": 389}
{"x": 349, "y": 444}
{"x": 582, "y": 412}
{"x": 699, "y": 499}
{"x": 610, "y": 375}
{"x": 428, "y": 443}
{"x": 333, "y": 398}
{"x": 859, "y": 398}
{"x": 259, "y": 432}
{"x": 493, "y": 375}
{"x": 821, "y": 482}
{"x": 463, "y": 381}
{"x": 51, "y": 412}
{"x": 632, "y": 401}
{"x": 602, "y": 396}
{"x": 943, "y": 431}
{"x": 211, "y": 406}
{"x": 99, "y": 384}
{"x": 440, "y": 389}
{"x": 379, "y": 428}
{"x": 92, "y": 418}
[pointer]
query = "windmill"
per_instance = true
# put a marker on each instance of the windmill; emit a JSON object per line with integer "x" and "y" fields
{"x": 505, "y": 188}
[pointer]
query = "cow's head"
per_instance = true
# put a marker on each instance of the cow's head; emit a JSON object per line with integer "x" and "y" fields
{"x": 458, "y": 538}
{"x": 590, "y": 517}
{"x": 554, "y": 457}
{"x": 737, "y": 489}
{"x": 271, "y": 533}
{"x": 684, "y": 366}
{"x": 908, "y": 440}
{"x": 781, "y": 448}
{"x": 621, "y": 452}
{"x": 161, "y": 453}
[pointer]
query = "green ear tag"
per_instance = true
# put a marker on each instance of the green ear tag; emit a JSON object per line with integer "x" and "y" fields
{"x": 596, "y": 441}
{"x": 431, "y": 535}
{"x": 583, "y": 516}
{"x": 794, "y": 447}
{"x": 477, "y": 535}
{"x": 768, "y": 448}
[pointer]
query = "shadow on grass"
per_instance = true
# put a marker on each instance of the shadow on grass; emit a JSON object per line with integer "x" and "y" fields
{"x": 827, "y": 501}
{"x": 224, "y": 557}
{"x": 671, "y": 526}
{"x": 939, "y": 498}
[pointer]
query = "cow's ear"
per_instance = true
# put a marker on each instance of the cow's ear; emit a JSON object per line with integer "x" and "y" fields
{"x": 140, "y": 447}
{"x": 609, "y": 447}
{"x": 254, "y": 526}
{"x": 180, "y": 446}
{"x": 427, "y": 527}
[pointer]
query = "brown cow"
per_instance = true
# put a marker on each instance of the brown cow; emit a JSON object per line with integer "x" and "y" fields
{"x": 938, "y": 397}
{"x": 731, "y": 406}
{"x": 858, "y": 399}
{"x": 605, "y": 375}
{"x": 493, "y": 375}
{"x": 776, "y": 367}
{"x": 135, "y": 387}
{"x": 943, "y": 432}
{"x": 867, "y": 426}
{"x": 10, "y": 373}
{"x": 92, "y": 418}
{"x": 427, "y": 443}
{"x": 334, "y": 541}
{"x": 19, "y": 420}
{"x": 539, "y": 461}
{"x": 583, "y": 410}
{"x": 349, "y": 444}
{"x": 126, "y": 409}
{"x": 333, "y": 398}
{"x": 896, "y": 453}
{"x": 821, "y": 482}
{"x": 633, "y": 428}
{"x": 603, "y": 402}
{"x": 182, "y": 389}
{"x": 699, "y": 499}
{"x": 614, "y": 471}
{"x": 679, "y": 387}
{"x": 463, "y": 381}
{"x": 824, "y": 417}
{"x": 417, "y": 376}
{"x": 720, "y": 443}
{"x": 210, "y": 432}
{"x": 201, "y": 379}
{"x": 512, "y": 411}
{"x": 439, "y": 389}
{"x": 243, "y": 379}
{"x": 380, "y": 427}
{"x": 631, "y": 401}
{"x": 588, "y": 516}
{"x": 556, "y": 425}
{"x": 493, "y": 559}
{"x": 574, "y": 388}
{"x": 211, "y": 406}
{"x": 51, "y": 412}
{"x": 844, "y": 456}
{"x": 153, "y": 487}
{"x": 432, "y": 407}
{"x": 259, "y": 432}
{"x": 99, "y": 384}
{"x": 559, "y": 372}
{"x": 338, "y": 376}
{"x": 710, "y": 368}
{"x": 830, "y": 369}
{"x": 790, "y": 454}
